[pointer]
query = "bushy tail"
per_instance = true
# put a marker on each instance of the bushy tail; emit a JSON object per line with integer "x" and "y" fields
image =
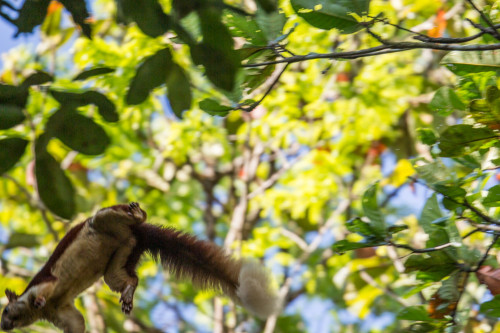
{"x": 208, "y": 267}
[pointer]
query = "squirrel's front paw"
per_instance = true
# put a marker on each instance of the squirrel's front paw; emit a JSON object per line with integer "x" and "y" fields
{"x": 39, "y": 302}
{"x": 136, "y": 212}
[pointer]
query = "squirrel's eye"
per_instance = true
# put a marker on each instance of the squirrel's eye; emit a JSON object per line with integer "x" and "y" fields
{"x": 6, "y": 310}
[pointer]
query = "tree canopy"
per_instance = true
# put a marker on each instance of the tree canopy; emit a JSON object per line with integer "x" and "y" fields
{"x": 350, "y": 145}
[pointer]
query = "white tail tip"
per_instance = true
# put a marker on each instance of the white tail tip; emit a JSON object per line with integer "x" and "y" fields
{"x": 255, "y": 291}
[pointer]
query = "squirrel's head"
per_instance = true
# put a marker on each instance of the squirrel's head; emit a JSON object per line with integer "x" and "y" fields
{"x": 17, "y": 313}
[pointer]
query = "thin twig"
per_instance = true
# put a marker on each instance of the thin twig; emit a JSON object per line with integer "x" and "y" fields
{"x": 464, "y": 203}
{"x": 430, "y": 249}
{"x": 371, "y": 281}
{"x": 269, "y": 89}
{"x": 486, "y": 19}
{"x": 485, "y": 256}
{"x": 392, "y": 46}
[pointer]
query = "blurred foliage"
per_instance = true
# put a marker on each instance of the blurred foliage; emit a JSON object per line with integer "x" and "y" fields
{"x": 368, "y": 186}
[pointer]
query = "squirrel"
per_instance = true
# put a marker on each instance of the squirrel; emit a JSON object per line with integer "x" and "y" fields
{"x": 110, "y": 244}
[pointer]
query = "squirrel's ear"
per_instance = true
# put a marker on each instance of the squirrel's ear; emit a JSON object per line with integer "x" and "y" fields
{"x": 11, "y": 296}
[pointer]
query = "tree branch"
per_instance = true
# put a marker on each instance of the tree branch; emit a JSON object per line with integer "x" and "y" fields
{"x": 390, "y": 46}
{"x": 494, "y": 32}
{"x": 412, "y": 249}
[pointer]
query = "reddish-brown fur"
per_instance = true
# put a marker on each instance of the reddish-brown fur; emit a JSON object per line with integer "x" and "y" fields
{"x": 45, "y": 274}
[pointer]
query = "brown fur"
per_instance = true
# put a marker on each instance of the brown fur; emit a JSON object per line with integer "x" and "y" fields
{"x": 45, "y": 274}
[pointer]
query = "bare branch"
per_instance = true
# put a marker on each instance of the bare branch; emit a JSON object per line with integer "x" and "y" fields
{"x": 430, "y": 249}
{"x": 391, "y": 46}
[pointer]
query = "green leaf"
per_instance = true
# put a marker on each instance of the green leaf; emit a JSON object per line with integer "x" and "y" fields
{"x": 37, "y": 79}
{"x": 247, "y": 28}
{"x": 372, "y": 210}
{"x": 271, "y": 24}
{"x": 431, "y": 172}
{"x": 105, "y": 107}
{"x": 78, "y": 10}
{"x": 416, "y": 313}
{"x": 268, "y": 5}
{"x": 178, "y": 90}
{"x": 493, "y": 197}
{"x": 491, "y": 308}
{"x": 71, "y": 100}
{"x": 445, "y": 101}
{"x": 396, "y": 228}
{"x": 54, "y": 187}
{"x": 327, "y": 14}
{"x": 93, "y": 72}
{"x": 427, "y": 136}
{"x": 31, "y": 14}
{"x": 462, "y": 63}
{"x": 344, "y": 245}
{"x": 216, "y": 53}
{"x": 450, "y": 286}
{"x": 213, "y": 107}
{"x": 463, "y": 139}
{"x": 486, "y": 112}
{"x": 78, "y": 132}
{"x": 10, "y": 116}
{"x": 152, "y": 73}
{"x": 183, "y": 7}
{"x": 13, "y": 95}
{"x": 148, "y": 14}
{"x": 434, "y": 265}
{"x": 19, "y": 239}
{"x": 430, "y": 213}
{"x": 360, "y": 227}
{"x": 11, "y": 150}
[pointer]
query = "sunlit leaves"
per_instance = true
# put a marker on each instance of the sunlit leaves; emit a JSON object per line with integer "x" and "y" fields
{"x": 11, "y": 150}
{"x": 328, "y": 15}
{"x": 472, "y": 62}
